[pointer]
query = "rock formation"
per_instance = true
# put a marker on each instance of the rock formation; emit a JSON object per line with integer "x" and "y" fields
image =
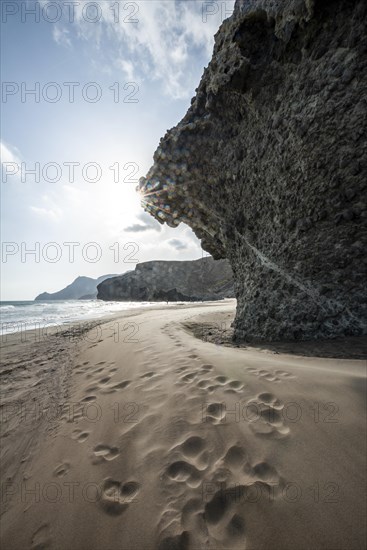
{"x": 269, "y": 166}
{"x": 203, "y": 279}
{"x": 83, "y": 288}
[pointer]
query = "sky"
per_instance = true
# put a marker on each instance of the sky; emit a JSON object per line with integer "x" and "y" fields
{"x": 88, "y": 90}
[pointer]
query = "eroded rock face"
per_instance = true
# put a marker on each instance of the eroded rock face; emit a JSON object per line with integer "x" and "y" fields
{"x": 156, "y": 281}
{"x": 269, "y": 166}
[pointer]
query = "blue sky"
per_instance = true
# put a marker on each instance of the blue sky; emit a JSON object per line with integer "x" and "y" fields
{"x": 132, "y": 68}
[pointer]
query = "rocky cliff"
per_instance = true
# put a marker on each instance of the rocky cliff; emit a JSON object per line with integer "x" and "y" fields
{"x": 83, "y": 288}
{"x": 269, "y": 166}
{"x": 203, "y": 279}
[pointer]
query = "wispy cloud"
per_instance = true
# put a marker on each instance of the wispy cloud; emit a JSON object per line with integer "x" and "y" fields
{"x": 127, "y": 68}
{"x": 50, "y": 214}
{"x": 160, "y": 45}
{"x": 10, "y": 163}
{"x": 61, "y": 36}
{"x": 47, "y": 209}
{"x": 9, "y": 153}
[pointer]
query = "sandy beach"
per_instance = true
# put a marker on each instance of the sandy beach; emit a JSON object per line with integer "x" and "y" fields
{"x": 135, "y": 434}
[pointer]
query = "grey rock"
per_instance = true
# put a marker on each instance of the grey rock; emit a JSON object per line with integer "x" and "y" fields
{"x": 171, "y": 281}
{"x": 276, "y": 134}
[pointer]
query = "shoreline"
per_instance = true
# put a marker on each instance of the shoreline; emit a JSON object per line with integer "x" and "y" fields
{"x": 218, "y": 331}
{"x": 101, "y": 319}
{"x": 214, "y": 446}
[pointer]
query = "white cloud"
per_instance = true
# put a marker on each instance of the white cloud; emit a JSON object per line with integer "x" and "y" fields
{"x": 10, "y": 163}
{"x": 164, "y": 42}
{"x": 9, "y": 154}
{"x": 49, "y": 210}
{"x": 51, "y": 214}
{"x": 61, "y": 36}
{"x": 127, "y": 68}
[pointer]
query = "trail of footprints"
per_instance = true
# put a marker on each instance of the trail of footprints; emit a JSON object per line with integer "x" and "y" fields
{"x": 192, "y": 463}
{"x": 218, "y": 490}
{"x": 233, "y": 478}
{"x": 101, "y": 379}
{"x": 189, "y": 375}
{"x": 270, "y": 376}
{"x": 115, "y": 495}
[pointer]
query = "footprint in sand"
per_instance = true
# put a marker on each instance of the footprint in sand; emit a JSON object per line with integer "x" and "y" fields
{"x": 269, "y": 376}
{"x": 41, "y": 539}
{"x": 229, "y": 386}
{"x": 184, "y": 472}
{"x": 188, "y": 377}
{"x": 177, "y": 542}
{"x": 234, "y": 386}
{"x": 276, "y": 376}
{"x": 80, "y": 436}
{"x": 233, "y": 482}
{"x": 284, "y": 374}
{"x": 221, "y": 379}
{"x": 222, "y": 514}
{"x": 206, "y": 367}
{"x": 222, "y": 503}
{"x": 116, "y": 387}
{"x": 236, "y": 527}
{"x": 193, "y": 446}
{"x": 100, "y": 369}
{"x": 181, "y": 369}
{"x": 235, "y": 457}
{"x": 204, "y": 383}
{"x": 270, "y": 399}
{"x": 122, "y": 385}
{"x": 195, "y": 449}
{"x": 105, "y": 452}
{"x": 265, "y": 472}
{"x": 62, "y": 470}
{"x": 90, "y": 389}
{"x": 89, "y": 399}
{"x": 265, "y": 416}
{"x": 117, "y": 496}
{"x": 214, "y": 413}
{"x": 192, "y": 517}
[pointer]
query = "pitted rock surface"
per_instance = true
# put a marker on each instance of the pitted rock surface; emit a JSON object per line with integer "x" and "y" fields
{"x": 269, "y": 166}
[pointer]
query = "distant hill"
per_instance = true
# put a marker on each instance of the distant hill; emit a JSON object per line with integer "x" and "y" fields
{"x": 82, "y": 288}
{"x": 203, "y": 279}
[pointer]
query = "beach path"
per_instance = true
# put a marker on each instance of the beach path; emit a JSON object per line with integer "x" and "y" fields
{"x": 141, "y": 436}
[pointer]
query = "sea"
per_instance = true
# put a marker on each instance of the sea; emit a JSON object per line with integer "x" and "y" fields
{"x": 27, "y": 315}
